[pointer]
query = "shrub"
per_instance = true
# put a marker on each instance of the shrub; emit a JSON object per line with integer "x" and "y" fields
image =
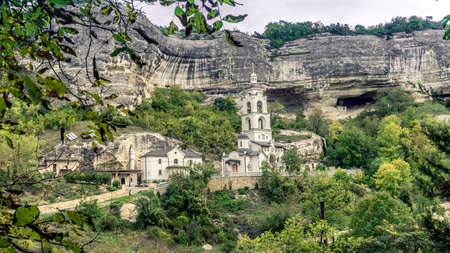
{"x": 150, "y": 212}
{"x": 109, "y": 222}
{"x": 274, "y": 220}
{"x": 274, "y": 187}
{"x": 88, "y": 176}
{"x": 116, "y": 183}
{"x": 111, "y": 188}
{"x": 243, "y": 191}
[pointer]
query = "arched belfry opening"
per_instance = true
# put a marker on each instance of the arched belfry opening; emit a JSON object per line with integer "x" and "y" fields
{"x": 249, "y": 123}
{"x": 249, "y": 107}
{"x": 261, "y": 123}
{"x": 260, "y": 107}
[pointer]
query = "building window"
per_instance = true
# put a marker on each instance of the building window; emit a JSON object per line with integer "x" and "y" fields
{"x": 249, "y": 107}
{"x": 160, "y": 172}
{"x": 249, "y": 123}
{"x": 175, "y": 161}
{"x": 260, "y": 106}
{"x": 159, "y": 161}
{"x": 261, "y": 123}
{"x": 241, "y": 144}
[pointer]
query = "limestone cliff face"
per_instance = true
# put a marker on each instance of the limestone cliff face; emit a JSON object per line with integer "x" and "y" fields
{"x": 332, "y": 72}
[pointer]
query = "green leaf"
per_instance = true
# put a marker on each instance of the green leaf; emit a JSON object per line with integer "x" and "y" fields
{"x": 73, "y": 246}
{"x": 231, "y": 40}
{"x": 166, "y": 2}
{"x": 106, "y": 10}
{"x": 4, "y": 243}
{"x": 217, "y": 25}
{"x": 119, "y": 37}
{"x": 446, "y": 20}
{"x": 33, "y": 89}
{"x": 69, "y": 30}
{"x": 61, "y": 2}
{"x": 200, "y": 22}
{"x": 117, "y": 51}
{"x": 112, "y": 96}
{"x": 135, "y": 58}
{"x": 125, "y": 36}
{"x": 55, "y": 88}
{"x": 447, "y": 35}
{"x": 235, "y": 19}
{"x": 9, "y": 142}
{"x": 25, "y": 215}
{"x": 97, "y": 98}
{"x": 131, "y": 18}
{"x": 191, "y": 1}
{"x": 68, "y": 50}
{"x": 171, "y": 28}
{"x": 229, "y": 2}
{"x": 213, "y": 14}
{"x": 179, "y": 12}
{"x": 116, "y": 19}
{"x": 2, "y": 106}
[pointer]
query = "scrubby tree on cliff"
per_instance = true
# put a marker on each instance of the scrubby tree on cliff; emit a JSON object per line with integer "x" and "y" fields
{"x": 292, "y": 160}
{"x": 36, "y": 42}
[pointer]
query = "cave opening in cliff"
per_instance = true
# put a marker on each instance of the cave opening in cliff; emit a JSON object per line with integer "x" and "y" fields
{"x": 358, "y": 101}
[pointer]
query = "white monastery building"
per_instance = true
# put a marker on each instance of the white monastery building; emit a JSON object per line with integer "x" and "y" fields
{"x": 255, "y": 143}
{"x": 160, "y": 164}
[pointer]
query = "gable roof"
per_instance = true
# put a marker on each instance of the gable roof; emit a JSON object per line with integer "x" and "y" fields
{"x": 191, "y": 154}
{"x": 163, "y": 153}
{"x": 157, "y": 153}
{"x": 262, "y": 144}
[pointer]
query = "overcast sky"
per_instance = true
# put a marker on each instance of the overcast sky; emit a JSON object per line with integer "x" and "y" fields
{"x": 353, "y": 12}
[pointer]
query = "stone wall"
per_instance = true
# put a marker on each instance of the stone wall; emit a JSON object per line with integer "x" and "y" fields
{"x": 223, "y": 183}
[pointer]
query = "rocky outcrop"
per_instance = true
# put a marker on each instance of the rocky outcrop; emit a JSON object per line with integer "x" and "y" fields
{"x": 121, "y": 154}
{"x": 336, "y": 73}
{"x": 309, "y": 148}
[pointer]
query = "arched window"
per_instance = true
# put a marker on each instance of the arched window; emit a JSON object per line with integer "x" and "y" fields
{"x": 249, "y": 107}
{"x": 261, "y": 123}
{"x": 249, "y": 124}
{"x": 175, "y": 161}
{"x": 260, "y": 107}
{"x": 241, "y": 144}
{"x": 159, "y": 161}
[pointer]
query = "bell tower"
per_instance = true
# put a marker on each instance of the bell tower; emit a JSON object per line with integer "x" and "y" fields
{"x": 254, "y": 115}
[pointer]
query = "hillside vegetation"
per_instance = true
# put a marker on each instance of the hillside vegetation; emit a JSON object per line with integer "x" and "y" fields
{"x": 392, "y": 207}
{"x": 281, "y": 32}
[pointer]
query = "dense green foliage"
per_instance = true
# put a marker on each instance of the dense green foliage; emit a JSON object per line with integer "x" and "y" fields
{"x": 316, "y": 123}
{"x": 187, "y": 212}
{"x": 281, "y": 32}
{"x": 400, "y": 147}
{"x": 351, "y": 149}
{"x": 273, "y": 186}
{"x": 89, "y": 177}
{"x": 180, "y": 114}
{"x": 292, "y": 161}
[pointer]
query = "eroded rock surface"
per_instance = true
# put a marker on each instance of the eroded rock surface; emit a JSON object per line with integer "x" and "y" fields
{"x": 336, "y": 73}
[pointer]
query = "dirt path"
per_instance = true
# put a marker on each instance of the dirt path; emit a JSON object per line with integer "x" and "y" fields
{"x": 71, "y": 204}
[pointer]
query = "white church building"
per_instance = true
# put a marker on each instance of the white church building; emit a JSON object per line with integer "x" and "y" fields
{"x": 161, "y": 163}
{"x": 255, "y": 143}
